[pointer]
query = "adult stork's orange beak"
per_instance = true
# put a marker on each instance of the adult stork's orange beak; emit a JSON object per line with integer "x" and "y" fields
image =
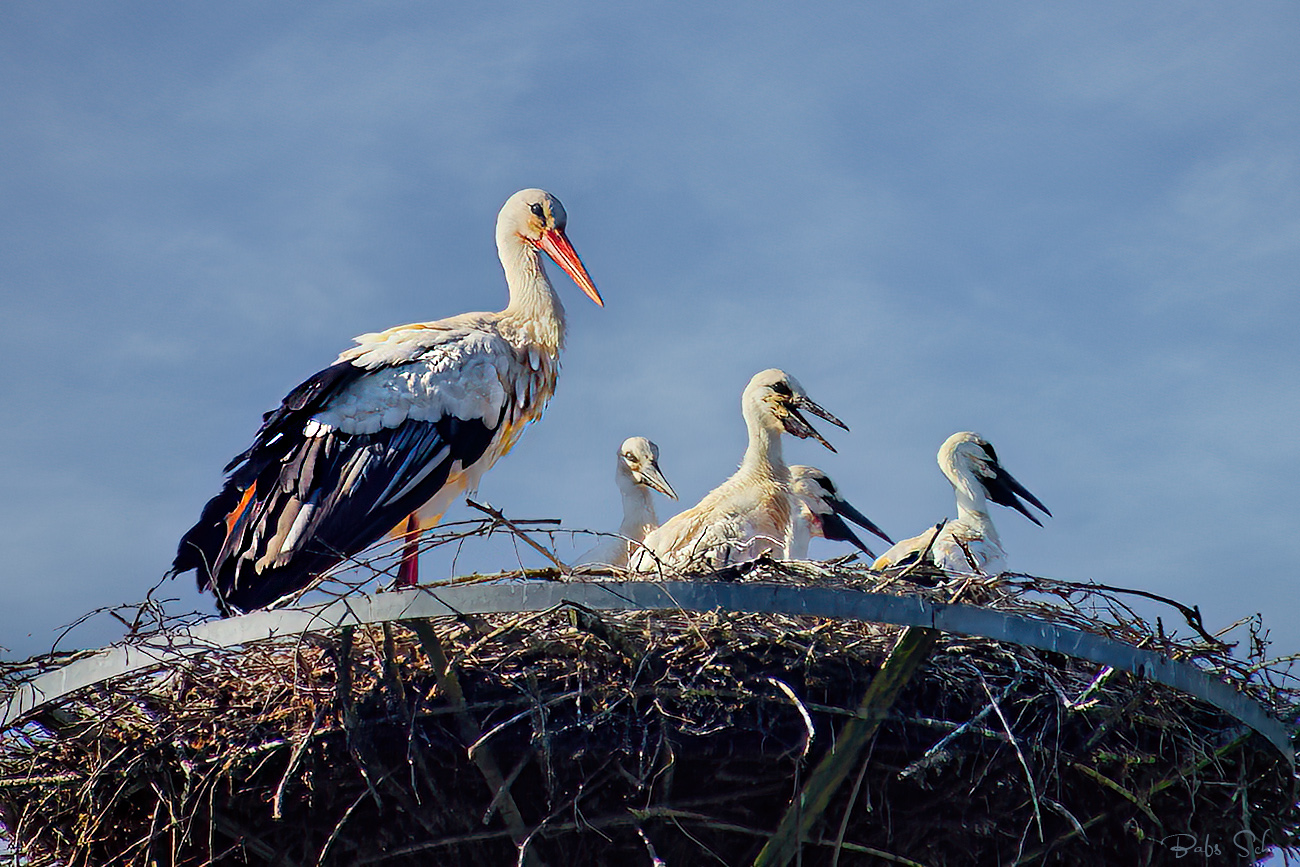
{"x": 557, "y": 246}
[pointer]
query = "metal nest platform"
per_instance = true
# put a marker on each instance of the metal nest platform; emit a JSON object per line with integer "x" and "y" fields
{"x": 789, "y": 712}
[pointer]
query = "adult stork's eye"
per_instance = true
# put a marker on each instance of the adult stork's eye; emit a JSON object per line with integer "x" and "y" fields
{"x": 538, "y": 210}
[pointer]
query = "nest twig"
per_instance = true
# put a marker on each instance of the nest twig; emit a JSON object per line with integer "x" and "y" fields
{"x": 670, "y": 737}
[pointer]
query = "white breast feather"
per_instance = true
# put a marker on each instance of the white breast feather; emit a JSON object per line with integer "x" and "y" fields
{"x": 729, "y": 525}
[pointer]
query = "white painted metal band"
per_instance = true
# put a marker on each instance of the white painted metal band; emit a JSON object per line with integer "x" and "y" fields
{"x": 517, "y": 596}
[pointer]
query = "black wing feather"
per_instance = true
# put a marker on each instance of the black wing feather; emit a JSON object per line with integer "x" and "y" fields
{"x": 201, "y": 545}
{"x": 286, "y": 421}
{"x": 343, "y": 477}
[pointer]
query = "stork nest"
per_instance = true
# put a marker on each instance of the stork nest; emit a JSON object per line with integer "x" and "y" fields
{"x": 569, "y": 737}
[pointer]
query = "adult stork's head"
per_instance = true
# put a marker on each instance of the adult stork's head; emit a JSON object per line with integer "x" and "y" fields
{"x": 536, "y": 219}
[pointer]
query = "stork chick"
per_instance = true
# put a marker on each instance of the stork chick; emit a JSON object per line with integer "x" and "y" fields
{"x": 970, "y": 543}
{"x": 822, "y": 513}
{"x": 749, "y": 513}
{"x": 637, "y": 474}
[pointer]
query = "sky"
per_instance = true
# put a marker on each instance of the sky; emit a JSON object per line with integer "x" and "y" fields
{"x": 1072, "y": 227}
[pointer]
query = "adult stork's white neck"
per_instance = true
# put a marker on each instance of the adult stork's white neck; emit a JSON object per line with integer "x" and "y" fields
{"x": 530, "y": 222}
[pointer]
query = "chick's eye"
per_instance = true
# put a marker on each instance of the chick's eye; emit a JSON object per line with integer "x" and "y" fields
{"x": 782, "y": 389}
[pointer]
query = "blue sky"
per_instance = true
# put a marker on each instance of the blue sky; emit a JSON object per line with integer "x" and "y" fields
{"x": 1074, "y": 228}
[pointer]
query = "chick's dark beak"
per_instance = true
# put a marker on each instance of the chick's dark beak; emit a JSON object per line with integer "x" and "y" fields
{"x": 797, "y": 425}
{"x": 1004, "y": 490}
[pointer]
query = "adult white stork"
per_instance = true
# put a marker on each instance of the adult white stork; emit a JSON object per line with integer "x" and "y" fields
{"x": 387, "y": 437}
{"x": 636, "y": 473}
{"x": 749, "y": 513}
{"x": 822, "y": 512}
{"x": 970, "y": 543}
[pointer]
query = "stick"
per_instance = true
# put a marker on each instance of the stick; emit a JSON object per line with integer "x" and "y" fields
{"x": 912, "y": 649}
{"x": 488, "y": 510}
{"x": 1029, "y": 777}
{"x": 470, "y": 731}
{"x": 277, "y": 810}
{"x": 1191, "y": 613}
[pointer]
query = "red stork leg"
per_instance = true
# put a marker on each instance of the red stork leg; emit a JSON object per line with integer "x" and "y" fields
{"x": 408, "y": 573}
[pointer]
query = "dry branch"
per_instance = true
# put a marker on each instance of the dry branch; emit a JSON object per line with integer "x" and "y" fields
{"x": 589, "y": 737}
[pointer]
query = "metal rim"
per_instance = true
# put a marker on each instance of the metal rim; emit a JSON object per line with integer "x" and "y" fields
{"x": 521, "y": 596}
